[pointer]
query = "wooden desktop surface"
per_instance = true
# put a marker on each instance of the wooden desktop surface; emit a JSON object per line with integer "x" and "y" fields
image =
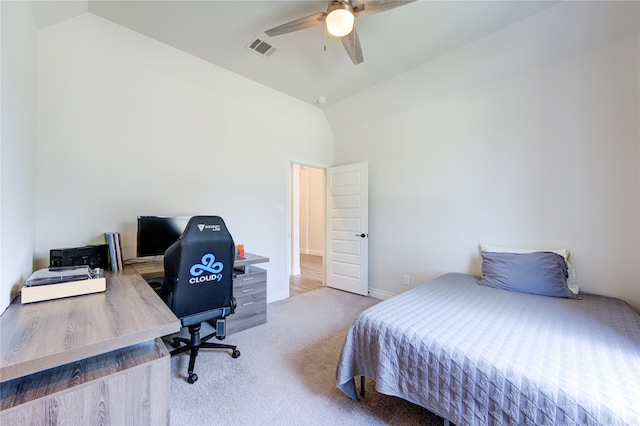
{"x": 42, "y": 335}
{"x": 155, "y": 269}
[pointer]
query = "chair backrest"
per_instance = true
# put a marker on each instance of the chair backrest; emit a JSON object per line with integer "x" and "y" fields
{"x": 198, "y": 268}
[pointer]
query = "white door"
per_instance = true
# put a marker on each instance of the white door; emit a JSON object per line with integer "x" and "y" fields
{"x": 347, "y": 228}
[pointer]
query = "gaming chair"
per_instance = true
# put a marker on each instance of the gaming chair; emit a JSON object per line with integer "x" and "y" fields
{"x": 198, "y": 284}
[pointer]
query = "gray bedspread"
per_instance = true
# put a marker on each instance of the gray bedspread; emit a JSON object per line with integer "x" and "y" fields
{"x": 479, "y": 355}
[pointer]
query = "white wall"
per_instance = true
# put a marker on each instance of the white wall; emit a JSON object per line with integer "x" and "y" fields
{"x": 18, "y": 133}
{"x": 129, "y": 126}
{"x": 312, "y": 210}
{"x": 536, "y": 153}
{"x": 317, "y": 216}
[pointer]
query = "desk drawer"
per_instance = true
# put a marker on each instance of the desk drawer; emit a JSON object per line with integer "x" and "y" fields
{"x": 251, "y": 311}
{"x": 253, "y": 274}
{"x": 251, "y": 301}
{"x": 250, "y": 291}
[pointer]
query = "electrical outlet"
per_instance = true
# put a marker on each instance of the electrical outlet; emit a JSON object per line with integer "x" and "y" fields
{"x": 407, "y": 279}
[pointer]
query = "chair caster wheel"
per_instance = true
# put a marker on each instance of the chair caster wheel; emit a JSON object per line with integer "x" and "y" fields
{"x": 175, "y": 343}
{"x": 193, "y": 377}
{"x": 235, "y": 354}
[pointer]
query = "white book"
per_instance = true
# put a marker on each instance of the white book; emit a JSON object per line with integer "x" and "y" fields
{"x": 118, "y": 240}
{"x": 117, "y": 249}
{"x": 113, "y": 262}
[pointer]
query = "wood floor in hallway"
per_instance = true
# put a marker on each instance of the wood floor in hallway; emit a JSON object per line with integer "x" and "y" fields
{"x": 311, "y": 276}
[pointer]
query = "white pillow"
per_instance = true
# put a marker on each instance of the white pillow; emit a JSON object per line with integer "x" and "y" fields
{"x": 572, "y": 280}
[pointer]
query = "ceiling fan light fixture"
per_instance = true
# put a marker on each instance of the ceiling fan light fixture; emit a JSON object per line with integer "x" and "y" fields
{"x": 339, "y": 19}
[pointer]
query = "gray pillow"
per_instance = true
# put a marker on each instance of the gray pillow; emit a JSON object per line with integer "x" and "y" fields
{"x": 542, "y": 273}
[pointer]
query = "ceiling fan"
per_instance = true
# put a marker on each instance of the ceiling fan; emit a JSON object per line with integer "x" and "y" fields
{"x": 340, "y": 21}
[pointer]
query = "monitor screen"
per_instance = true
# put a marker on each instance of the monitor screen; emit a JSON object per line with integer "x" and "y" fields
{"x": 157, "y": 233}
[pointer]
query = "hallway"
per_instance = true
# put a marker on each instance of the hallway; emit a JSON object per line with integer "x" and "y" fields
{"x": 311, "y": 275}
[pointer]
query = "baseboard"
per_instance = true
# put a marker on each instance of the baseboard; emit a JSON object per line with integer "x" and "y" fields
{"x": 380, "y": 294}
{"x": 277, "y": 296}
{"x": 312, "y": 252}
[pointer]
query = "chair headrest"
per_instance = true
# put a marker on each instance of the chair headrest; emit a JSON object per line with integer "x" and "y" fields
{"x": 204, "y": 228}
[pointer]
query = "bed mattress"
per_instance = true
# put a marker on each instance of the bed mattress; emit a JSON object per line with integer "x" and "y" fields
{"x": 479, "y": 355}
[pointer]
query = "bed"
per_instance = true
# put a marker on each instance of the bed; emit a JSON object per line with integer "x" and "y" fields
{"x": 475, "y": 354}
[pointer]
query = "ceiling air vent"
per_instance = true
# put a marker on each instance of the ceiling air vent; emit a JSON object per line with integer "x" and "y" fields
{"x": 261, "y": 47}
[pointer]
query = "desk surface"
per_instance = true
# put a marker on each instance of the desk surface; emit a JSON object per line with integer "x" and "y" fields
{"x": 155, "y": 269}
{"x": 42, "y": 335}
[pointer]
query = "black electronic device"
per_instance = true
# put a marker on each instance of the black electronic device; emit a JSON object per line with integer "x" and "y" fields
{"x": 95, "y": 256}
{"x": 157, "y": 233}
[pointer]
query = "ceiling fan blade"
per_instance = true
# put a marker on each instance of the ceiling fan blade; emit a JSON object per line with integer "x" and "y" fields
{"x": 298, "y": 24}
{"x": 369, "y": 7}
{"x": 351, "y": 43}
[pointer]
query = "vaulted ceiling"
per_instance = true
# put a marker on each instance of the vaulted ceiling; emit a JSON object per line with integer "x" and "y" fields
{"x": 307, "y": 64}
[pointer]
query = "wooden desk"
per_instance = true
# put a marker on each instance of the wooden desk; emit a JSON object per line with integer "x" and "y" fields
{"x": 155, "y": 269}
{"x": 88, "y": 359}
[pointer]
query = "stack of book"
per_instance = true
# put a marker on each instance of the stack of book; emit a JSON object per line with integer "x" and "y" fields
{"x": 114, "y": 241}
{"x": 56, "y": 283}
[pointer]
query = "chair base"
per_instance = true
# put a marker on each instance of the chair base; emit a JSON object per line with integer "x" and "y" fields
{"x": 194, "y": 345}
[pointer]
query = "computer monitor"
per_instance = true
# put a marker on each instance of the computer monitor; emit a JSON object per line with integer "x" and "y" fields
{"x": 157, "y": 233}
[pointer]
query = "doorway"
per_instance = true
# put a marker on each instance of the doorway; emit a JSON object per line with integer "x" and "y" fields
{"x": 307, "y": 228}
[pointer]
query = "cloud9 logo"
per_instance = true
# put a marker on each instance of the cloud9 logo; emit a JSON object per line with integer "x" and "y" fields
{"x": 208, "y": 264}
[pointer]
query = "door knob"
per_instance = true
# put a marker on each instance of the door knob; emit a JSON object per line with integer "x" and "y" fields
{"x": 361, "y": 235}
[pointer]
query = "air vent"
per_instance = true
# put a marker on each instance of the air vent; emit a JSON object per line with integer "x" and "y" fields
{"x": 261, "y": 47}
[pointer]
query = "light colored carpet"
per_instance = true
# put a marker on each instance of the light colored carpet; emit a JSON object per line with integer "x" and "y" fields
{"x": 286, "y": 373}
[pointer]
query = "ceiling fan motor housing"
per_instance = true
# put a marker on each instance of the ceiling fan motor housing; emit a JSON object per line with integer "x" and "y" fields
{"x": 339, "y": 4}
{"x": 340, "y": 18}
